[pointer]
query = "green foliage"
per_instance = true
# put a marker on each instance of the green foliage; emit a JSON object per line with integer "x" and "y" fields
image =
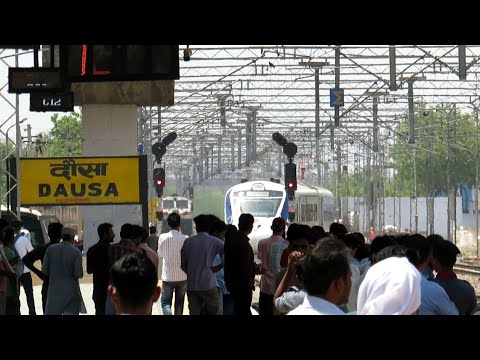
{"x": 350, "y": 185}
{"x": 439, "y": 132}
{"x": 356, "y": 184}
{"x": 65, "y": 138}
{"x": 207, "y": 200}
{"x": 211, "y": 202}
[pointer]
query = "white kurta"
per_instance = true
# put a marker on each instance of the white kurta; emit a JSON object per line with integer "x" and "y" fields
{"x": 63, "y": 265}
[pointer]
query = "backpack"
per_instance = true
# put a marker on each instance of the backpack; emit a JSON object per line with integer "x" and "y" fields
{"x": 19, "y": 266}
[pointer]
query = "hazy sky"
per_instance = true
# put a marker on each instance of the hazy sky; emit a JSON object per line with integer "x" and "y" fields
{"x": 40, "y": 121}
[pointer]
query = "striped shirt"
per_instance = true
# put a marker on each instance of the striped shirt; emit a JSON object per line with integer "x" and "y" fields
{"x": 169, "y": 247}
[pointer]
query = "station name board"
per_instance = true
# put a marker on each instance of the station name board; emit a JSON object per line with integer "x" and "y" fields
{"x": 80, "y": 181}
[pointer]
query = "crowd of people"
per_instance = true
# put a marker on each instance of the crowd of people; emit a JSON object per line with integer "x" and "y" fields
{"x": 303, "y": 270}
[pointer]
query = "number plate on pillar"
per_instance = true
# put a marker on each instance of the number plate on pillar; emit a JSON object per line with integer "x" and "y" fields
{"x": 51, "y": 102}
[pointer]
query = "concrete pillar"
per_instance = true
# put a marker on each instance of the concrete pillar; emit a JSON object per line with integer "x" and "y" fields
{"x": 108, "y": 130}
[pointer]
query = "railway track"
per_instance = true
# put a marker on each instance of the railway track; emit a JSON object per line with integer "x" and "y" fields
{"x": 459, "y": 268}
{"x": 467, "y": 269}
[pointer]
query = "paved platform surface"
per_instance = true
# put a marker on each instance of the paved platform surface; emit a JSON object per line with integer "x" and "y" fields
{"x": 86, "y": 289}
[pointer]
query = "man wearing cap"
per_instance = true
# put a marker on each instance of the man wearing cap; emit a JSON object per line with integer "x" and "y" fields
{"x": 63, "y": 266}
{"x": 459, "y": 291}
{"x": 269, "y": 253}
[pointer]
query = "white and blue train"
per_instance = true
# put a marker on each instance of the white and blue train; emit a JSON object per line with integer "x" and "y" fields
{"x": 267, "y": 200}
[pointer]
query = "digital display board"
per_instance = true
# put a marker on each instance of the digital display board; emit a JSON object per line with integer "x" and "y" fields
{"x": 35, "y": 80}
{"x": 93, "y": 63}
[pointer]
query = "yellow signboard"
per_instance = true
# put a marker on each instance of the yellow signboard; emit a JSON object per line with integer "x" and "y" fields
{"x": 80, "y": 181}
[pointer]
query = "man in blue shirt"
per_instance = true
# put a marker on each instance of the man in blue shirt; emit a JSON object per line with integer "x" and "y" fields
{"x": 435, "y": 300}
{"x": 197, "y": 255}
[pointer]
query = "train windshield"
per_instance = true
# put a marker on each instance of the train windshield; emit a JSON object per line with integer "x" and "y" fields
{"x": 168, "y": 204}
{"x": 249, "y": 202}
{"x": 266, "y": 208}
{"x": 182, "y": 204}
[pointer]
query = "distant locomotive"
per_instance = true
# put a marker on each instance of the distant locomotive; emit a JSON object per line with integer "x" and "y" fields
{"x": 266, "y": 200}
{"x": 175, "y": 203}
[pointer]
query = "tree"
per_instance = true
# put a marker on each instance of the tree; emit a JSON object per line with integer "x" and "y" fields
{"x": 356, "y": 184}
{"x": 445, "y": 143}
{"x": 65, "y": 138}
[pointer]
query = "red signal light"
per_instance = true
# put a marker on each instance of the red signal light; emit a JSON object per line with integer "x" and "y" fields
{"x": 159, "y": 182}
{"x": 290, "y": 184}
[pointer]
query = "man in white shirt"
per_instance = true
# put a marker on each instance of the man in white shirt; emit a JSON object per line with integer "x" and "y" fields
{"x": 173, "y": 278}
{"x": 25, "y": 233}
{"x": 22, "y": 246}
{"x": 326, "y": 276}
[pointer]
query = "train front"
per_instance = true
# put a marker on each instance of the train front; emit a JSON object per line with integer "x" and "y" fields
{"x": 264, "y": 200}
